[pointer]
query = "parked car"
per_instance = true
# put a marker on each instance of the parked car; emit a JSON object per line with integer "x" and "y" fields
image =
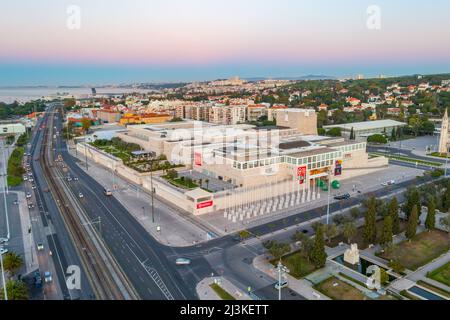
{"x": 40, "y": 246}
{"x": 80, "y": 195}
{"x": 75, "y": 178}
{"x": 33, "y": 186}
{"x": 4, "y": 240}
{"x": 30, "y": 205}
{"x": 28, "y": 195}
{"x": 3, "y": 250}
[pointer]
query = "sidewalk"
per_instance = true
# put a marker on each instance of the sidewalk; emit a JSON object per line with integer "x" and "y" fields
{"x": 205, "y": 292}
{"x": 174, "y": 229}
{"x": 302, "y": 287}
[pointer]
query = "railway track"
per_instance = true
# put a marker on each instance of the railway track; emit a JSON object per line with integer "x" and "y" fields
{"x": 98, "y": 274}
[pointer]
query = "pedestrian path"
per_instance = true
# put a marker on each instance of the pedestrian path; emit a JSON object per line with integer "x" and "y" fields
{"x": 205, "y": 292}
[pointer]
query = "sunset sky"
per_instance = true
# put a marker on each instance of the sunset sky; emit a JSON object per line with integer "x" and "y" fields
{"x": 181, "y": 40}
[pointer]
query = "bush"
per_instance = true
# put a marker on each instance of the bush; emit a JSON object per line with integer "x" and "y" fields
{"x": 334, "y": 132}
{"x": 377, "y": 138}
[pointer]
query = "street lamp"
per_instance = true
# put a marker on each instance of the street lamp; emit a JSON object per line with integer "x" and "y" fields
{"x": 3, "y": 276}
{"x": 281, "y": 273}
{"x": 329, "y": 193}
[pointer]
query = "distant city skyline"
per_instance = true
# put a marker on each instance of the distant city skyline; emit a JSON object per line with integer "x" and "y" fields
{"x": 197, "y": 40}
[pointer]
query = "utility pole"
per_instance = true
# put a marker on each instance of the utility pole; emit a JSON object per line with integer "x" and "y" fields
{"x": 5, "y": 292}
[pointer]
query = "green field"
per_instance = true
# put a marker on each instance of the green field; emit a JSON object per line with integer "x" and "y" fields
{"x": 15, "y": 169}
{"x": 441, "y": 274}
{"x": 223, "y": 294}
{"x": 297, "y": 264}
{"x": 422, "y": 249}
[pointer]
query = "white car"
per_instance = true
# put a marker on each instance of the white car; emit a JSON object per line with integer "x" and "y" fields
{"x": 284, "y": 284}
{"x": 80, "y": 195}
{"x": 28, "y": 195}
{"x": 388, "y": 183}
{"x": 40, "y": 246}
{"x": 25, "y": 178}
{"x": 48, "y": 276}
{"x": 182, "y": 261}
{"x": 3, "y": 251}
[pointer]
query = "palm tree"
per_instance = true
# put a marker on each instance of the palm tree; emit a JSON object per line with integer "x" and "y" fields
{"x": 16, "y": 290}
{"x": 12, "y": 262}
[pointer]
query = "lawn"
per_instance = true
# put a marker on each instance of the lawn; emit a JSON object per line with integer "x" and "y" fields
{"x": 423, "y": 248}
{"x": 406, "y": 159}
{"x": 441, "y": 274}
{"x": 358, "y": 238}
{"x": 182, "y": 183}
{"x": 224, "y": 295}
{"x": 15, "y": 169}
{"x": 341, "y": 291}
{"x": 297, "y": 264}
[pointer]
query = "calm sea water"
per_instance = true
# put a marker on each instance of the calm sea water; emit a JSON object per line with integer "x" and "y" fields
{"x": 10, "y": 95}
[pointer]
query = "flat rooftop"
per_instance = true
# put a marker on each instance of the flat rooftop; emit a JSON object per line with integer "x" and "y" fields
{"x": 367, "y": 125}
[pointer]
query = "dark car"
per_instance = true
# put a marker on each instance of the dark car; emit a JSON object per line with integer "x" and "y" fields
{"x": 38, "y": 279}
{"x": 344, "y": 196}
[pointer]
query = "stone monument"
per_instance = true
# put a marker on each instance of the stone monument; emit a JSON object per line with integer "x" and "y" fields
{"x": 351, "y": 255}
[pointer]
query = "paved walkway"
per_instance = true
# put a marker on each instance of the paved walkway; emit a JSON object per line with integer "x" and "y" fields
{"x": 302, "y": 287}
{"x": 175, "y": 230}
{"x": 205, "y": 292}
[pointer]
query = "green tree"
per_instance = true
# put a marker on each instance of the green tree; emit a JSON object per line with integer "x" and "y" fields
{"x": 386, "y": 235}
{"x": 370, "y": 229}
{"x": 412, "y": 199}
{"x": 318, "y": 254}
{"x": 349, "y": 230}
{"x": 411, "y": 228}
{"x": 430, "y": 221}
{"x": 331, "y": 231}
{"x": 352, "y": 134}
{"x": 377, "y": 138}
{"x": 16, "y": 290}
{"x": 393, "y": 135}
{"x": 86, "y": 124}
{"x": 277, "y": 249}
{"x": 415, "y": 122}
{"x": 393, "y": 212}
{"x": 334, "y": 132}
{"x": 354, "y": 213}
{"x": 446, "y": 200}
{"x": 12, "y": 262}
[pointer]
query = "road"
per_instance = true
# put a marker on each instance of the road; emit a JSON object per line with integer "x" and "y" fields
{"x": 139, "y": 255}
{"x": 48, "y": 228}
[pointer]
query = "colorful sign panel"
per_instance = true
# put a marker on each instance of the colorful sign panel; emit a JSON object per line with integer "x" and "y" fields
{"x": 205, "y": 204}
{"x": 198, "y": 159}
{"x": 338, "y": 168}
{"x": 301, "y": 174}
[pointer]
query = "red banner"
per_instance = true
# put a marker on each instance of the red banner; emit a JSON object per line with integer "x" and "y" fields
{"x": 301, "y": 174}
{"x": 204, "y": 204}
{"x": 198, "y": 159}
